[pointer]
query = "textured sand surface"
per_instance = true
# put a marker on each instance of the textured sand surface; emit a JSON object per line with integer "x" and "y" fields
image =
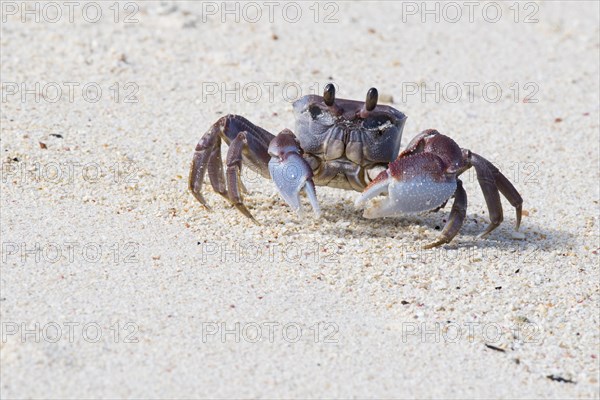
{"x": 115, "y": 282}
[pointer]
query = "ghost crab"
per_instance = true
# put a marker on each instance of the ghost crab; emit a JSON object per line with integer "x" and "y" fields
{"x": 350, "y": 145}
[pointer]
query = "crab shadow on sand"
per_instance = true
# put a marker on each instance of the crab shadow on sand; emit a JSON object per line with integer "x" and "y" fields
{"x": 536, "y": 234}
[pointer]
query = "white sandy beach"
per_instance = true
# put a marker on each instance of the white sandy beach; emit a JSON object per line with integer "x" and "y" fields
{"x": 116, "y": 283}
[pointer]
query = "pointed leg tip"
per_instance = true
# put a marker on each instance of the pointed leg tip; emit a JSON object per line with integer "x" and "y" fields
{"x": 439, "y": 242}
{"x": 254, "y": 220}
{"x": 202, "y": 201}
{"x": 519, "y": 211}
{"x": 484, "y": 234}
{"x": 250, "y": 216}
{"x": 489, "y": 229}
{"x": 242, "y": 208}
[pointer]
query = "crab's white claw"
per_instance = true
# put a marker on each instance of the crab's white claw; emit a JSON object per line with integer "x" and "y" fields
{"x": 291, "y": 173}
{"x": 405, "y": 195}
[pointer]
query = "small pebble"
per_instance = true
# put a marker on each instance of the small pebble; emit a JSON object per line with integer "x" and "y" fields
{"x": 386, "y": 98}
{"x": 517, "y": 235}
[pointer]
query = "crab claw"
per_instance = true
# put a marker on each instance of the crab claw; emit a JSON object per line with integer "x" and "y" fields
{"x": 290, "y": 172}
{"x": 413, "y": 185}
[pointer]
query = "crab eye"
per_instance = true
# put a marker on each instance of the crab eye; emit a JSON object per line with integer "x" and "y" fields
{"x": 314, "y": 111}
{"x": 376, "y": 122}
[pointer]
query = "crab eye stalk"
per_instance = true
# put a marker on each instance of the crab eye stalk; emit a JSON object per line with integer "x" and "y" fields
{"x": 370, "y": 102}
{"x": 329, "y": 94}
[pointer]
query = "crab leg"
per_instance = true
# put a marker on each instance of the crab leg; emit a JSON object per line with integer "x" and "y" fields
{"x": 506, "y": 188}
{"x": 234, "y": 168}
{"x": 202, "y": 155}
{"x": 252, "y": 148}
{"x": 487, "y": 181}
{"x": 456, "y": 218}
{"x": 215, "y": 170}
{"x": 290, "y": 172}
